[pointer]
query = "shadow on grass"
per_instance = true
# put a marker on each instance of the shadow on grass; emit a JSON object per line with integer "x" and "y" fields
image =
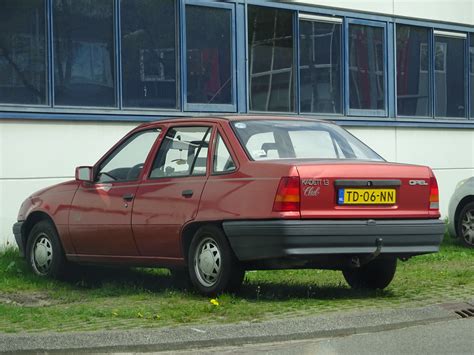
{"x": 113, "y": 281}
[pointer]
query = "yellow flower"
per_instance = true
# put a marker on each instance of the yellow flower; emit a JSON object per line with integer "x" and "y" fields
{"x": 214, "y": 302}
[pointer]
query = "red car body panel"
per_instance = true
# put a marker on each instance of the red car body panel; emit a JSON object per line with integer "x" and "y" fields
{"x": 96, "y": 224}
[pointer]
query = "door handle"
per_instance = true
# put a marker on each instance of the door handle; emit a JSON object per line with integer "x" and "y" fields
{"x": 128, "y": 197}
{"x": 187, "y": 193}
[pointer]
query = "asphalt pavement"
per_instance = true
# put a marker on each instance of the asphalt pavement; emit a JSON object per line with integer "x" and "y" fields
{"x": 332, "y": 325}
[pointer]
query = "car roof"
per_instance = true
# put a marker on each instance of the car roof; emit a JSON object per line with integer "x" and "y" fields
{"x": 229, "y": 118}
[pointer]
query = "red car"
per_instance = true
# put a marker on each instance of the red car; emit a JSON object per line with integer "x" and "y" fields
{"x": 221, "y": 195}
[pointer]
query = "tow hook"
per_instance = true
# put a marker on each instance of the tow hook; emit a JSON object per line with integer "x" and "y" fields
{"x": 356, "y": 262}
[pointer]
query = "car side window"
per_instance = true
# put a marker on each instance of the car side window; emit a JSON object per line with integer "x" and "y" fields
{"x": 126, "y": 162}
{"x": 223, "y": 161}
{"x": 183, "y": 152}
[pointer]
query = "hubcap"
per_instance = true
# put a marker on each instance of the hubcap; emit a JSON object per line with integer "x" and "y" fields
{"x": 42, "y": 254}
{"x": 207, "y": 262}
{"x": 468, "y": 227}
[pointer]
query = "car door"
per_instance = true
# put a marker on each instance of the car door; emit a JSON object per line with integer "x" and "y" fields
{"x": 101, "y": 212}
{"x": 170, "y": 196}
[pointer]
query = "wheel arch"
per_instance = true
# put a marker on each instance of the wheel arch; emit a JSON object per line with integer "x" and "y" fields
{"x": 32, "y": 219}
{"x": 461, "y": 204}
{"x": 188, "y": 232}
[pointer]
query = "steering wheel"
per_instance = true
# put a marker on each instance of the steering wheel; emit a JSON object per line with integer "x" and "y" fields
{"x": 134, "y": 171}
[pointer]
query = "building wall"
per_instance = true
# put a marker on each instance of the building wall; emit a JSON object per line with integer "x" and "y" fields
{"x": 458, "y": 11}
{"x": 34, "y": 155}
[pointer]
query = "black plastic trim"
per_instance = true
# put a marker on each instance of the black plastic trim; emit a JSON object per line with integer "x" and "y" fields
{"x": 18, "y": 233}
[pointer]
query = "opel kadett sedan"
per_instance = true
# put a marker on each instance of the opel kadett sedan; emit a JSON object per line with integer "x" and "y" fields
{"x": 217, "y": 196}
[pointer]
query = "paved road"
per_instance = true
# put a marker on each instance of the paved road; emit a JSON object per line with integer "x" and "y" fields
{"x": 449, "y": 337}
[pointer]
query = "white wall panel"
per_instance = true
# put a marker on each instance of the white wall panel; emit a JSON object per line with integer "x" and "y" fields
{"x": 382, "y": 140}
{"x": 458, "y": 11}
{"x": 53, "y": 149}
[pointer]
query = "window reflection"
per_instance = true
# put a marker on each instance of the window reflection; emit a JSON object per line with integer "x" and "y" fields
{"x": 270, "y": 46}
{"x": 449, "y": 77}
{"x": 83, "y": 52}
{"x": 148, "y": 53}
{"x": 22, "y": 52}
{"x": 320, "y": 67}
{"x": 413, "y": 92}
{"x": 366, "y": 67}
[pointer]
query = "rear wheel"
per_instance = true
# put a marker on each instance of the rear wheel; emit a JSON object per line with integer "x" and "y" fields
{"x": 212, "y": 266}
{"x": 377, "y": 274}
{"x": 465, "y": 225}
{"x": 44, "y": 252}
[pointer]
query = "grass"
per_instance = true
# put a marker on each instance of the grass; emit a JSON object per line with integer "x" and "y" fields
{"x": 101, "y": 298}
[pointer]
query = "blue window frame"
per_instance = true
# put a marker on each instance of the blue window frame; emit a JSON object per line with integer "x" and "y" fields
{"x": 209, "y": 82}
{"x": 471, "y": 72}
{"x": 366, "y": 68}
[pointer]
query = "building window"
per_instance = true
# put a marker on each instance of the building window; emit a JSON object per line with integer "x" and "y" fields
{"x": 449, "y": 75}
{"x": 413, "y": 78}
{"x": 367, "y": 68}
{"x": 84, "y": 53}
{"x": 271, "y": 70}
{"x": 23, "y": 66}
{"x": 320, "y": 64}
{"x": 148, "y": 34}
{"x": 471, "y": 71}
{"x": 209, "y": 55}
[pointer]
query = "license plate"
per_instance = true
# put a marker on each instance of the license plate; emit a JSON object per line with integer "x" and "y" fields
{"x": 367, "y": 197}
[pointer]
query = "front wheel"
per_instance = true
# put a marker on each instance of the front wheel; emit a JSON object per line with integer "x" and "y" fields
{"x": 377, "y": 274}
{"x": 44, "y": 251}
{"x": 466, "y": 225}
{"x": 212, "y": 266}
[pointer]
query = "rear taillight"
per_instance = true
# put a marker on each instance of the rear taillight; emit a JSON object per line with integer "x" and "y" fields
{"x": 434, "y": 194}
{"x": 287, "y": 198}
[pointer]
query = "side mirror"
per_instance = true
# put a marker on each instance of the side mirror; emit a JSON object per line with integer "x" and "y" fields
{"x": 85, "y": 173}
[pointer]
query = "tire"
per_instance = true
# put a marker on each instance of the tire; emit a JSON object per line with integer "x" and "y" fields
{"x": 465, "y": 225}
{"x": 213, "y": 267}
{"x": 377, "y": 274}
{"x": 44, "y": 252}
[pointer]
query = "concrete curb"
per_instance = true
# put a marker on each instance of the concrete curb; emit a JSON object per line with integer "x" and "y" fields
{"x": 199, "y": 336}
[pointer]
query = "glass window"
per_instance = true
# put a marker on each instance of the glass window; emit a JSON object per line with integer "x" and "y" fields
{"x": 320, "y": 67}
{"x": 223, "y": 161}
{"x": 270, "y": 37}
{"x": 23, "y": 52}
{"x": 183, "y": 152}
{"x": 83, "y": 53}
{"x": 267, "y": 139}
{"x": 413, "y": 78}
{"x": 450, "y": 95}
{"x": 366, "y": 68}
{"x": 209, "y": 55}
{"x": 148, "y": 53}
{"x": 471, "y": 72}
{"x": 126, "y": 162}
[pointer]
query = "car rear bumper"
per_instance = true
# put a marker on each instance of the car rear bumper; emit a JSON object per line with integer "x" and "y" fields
{"x": 259, "y": 240}
{"x": 17, "y": 232}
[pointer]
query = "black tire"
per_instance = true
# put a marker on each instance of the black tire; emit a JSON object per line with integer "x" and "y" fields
{"x": 44, "y": 252}
{"x": 377, "y": 274}
{"x": 465, "y": 225}
{"x": 213, "y": 267}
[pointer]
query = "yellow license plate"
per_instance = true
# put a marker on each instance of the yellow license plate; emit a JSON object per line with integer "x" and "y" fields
{"x": 367, "y": 197}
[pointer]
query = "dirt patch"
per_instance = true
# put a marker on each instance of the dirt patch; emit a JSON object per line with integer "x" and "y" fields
{"x": 23, "y": 299}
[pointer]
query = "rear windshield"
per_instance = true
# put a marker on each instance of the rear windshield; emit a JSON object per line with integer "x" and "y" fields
{"x": 279, "y": 139}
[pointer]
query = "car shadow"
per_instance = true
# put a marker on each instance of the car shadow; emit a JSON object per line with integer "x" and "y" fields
{"x": 126, "y": 281}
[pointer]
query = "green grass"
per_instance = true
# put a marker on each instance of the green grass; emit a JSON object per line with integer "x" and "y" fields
{"x": 101, "y": 298}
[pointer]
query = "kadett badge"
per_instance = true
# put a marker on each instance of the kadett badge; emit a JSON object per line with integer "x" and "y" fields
{"x": 315, "y": 182}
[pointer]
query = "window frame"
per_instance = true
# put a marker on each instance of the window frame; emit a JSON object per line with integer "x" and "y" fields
{"x": 219, "y": 133}
{"x": 365, "y": 112}
{"x": 198, "y": 107}
{"x": 161, "y": 139}
{"x": 121, "y": 144}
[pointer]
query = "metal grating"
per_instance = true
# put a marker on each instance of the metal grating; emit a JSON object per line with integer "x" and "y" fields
{"x": 463, "y": 310}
